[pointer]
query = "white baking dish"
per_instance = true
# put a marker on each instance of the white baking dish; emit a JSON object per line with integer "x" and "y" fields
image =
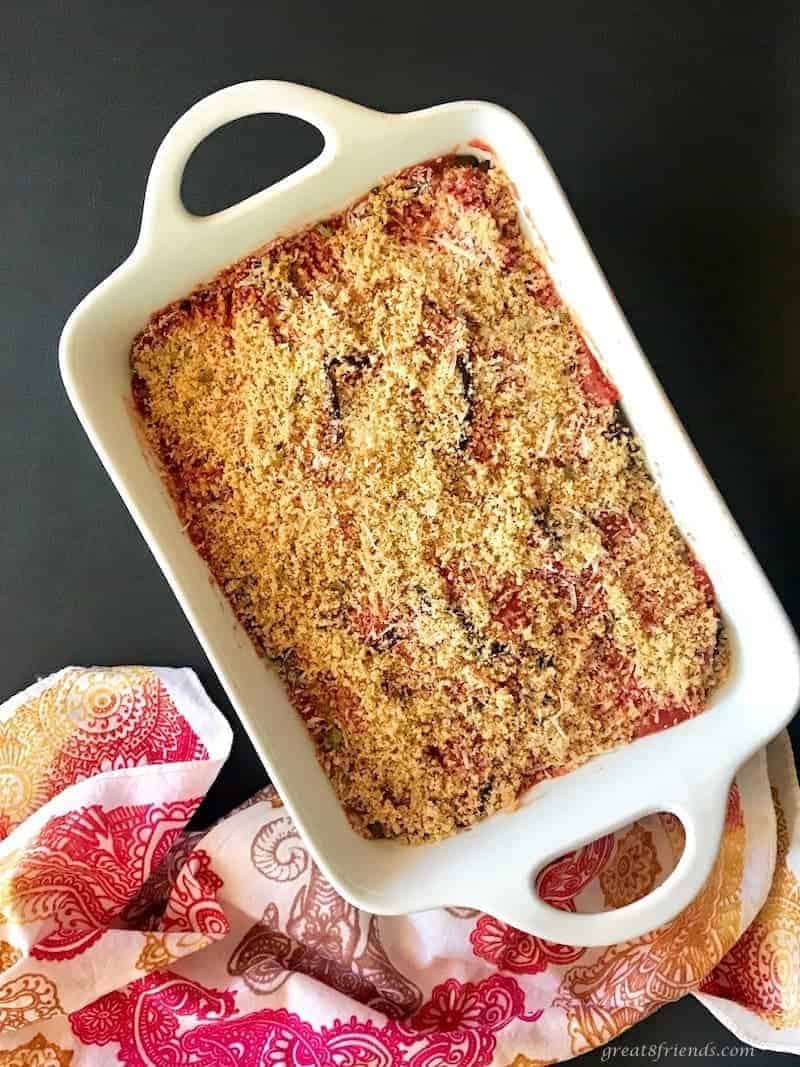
{"x": 686, "y": 770}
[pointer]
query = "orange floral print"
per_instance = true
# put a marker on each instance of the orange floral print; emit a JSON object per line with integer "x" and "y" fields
{"x": 520, "y": 1060}
{"x": 632, "y": 979}
{"x": 38, "y": 1052}
{"x": 633, "y": 869}
{"x": 84, "y": 723}
{"x": 160, "y": 951}
{"x": 8, "y": 955}
{"x": 676, "y": 835}
{"x": 27, "y": 999}
{"x": 762, "y": 970}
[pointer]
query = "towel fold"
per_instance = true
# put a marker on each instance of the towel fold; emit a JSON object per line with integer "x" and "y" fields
{"x": 125, "y": 939}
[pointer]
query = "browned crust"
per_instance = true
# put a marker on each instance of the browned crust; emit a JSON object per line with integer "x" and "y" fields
{"x": 412, "y": 479}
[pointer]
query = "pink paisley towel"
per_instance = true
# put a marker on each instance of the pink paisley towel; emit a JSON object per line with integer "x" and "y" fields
{"x": 125, "y": 940}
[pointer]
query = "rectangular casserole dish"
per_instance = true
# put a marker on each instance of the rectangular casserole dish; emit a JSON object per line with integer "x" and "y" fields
{"x": 686, "y": 770}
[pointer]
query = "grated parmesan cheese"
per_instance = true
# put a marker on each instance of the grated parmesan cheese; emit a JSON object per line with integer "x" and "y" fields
{"x": 410, "y": 476}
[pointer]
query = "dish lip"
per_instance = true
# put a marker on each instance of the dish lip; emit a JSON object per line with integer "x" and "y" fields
{"x": 364, "y": 895}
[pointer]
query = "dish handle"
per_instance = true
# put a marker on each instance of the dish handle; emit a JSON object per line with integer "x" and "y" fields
{"x": 339, "y": 121}
{"x": 700, "y": 806}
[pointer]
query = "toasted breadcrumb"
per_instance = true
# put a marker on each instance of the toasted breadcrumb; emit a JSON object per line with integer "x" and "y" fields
{"x": 414, "y": 483}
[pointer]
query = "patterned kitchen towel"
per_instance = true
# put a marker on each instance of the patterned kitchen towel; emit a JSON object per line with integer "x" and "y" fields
{"x": 125, "y": 940}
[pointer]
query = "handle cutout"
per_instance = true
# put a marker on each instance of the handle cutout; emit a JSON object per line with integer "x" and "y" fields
{"x": 616, "y": 869}
{"x": 245, "y": 156}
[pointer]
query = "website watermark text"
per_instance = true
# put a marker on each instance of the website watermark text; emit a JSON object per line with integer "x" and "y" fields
{"x": 668, "y": 1050}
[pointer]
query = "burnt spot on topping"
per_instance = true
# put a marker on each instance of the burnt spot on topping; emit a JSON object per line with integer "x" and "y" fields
{"x": 464, "y": 622}
{"x": 620, "y": 429}
{"x": 468, "y": 389}
{"x": 387, "y": 640}
{"x": 141, "y": 395}
{"x": 484, "y": 793}
{"x": 335, "y": 405}
{"x": 424, "y": 599}
{"x": 471, "y": 161}
{"x": 720, "y": 646}
{"x": 395, "y": 690}
{"x": 544, "y": 523}
{"x": 462, "y": 366}
{"x": 433, "y": 752}
{"x": 354, "y": 362}
{"x": 378, "y": 627}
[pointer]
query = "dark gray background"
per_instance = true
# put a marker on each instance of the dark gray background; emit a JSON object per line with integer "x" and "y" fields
{"x": 670, "y": 126}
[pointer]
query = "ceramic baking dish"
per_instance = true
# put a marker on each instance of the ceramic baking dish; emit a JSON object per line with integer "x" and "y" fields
{"x": 686, "y": 770}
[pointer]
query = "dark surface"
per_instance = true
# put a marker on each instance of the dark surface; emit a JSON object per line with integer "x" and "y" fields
{"x": 668, "y": 124}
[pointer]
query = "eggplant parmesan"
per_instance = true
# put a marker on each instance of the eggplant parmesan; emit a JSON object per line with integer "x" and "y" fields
{"x": 415, "y": 484}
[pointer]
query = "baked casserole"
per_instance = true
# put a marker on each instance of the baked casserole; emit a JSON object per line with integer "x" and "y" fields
{"x": 415, "y": 484}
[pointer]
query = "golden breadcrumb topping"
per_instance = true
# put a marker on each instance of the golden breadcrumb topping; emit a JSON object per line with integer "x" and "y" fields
{"x": 408, "y": 473}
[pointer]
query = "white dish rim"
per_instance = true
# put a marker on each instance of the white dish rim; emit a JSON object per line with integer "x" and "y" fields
{"x": 686, "y": 770}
